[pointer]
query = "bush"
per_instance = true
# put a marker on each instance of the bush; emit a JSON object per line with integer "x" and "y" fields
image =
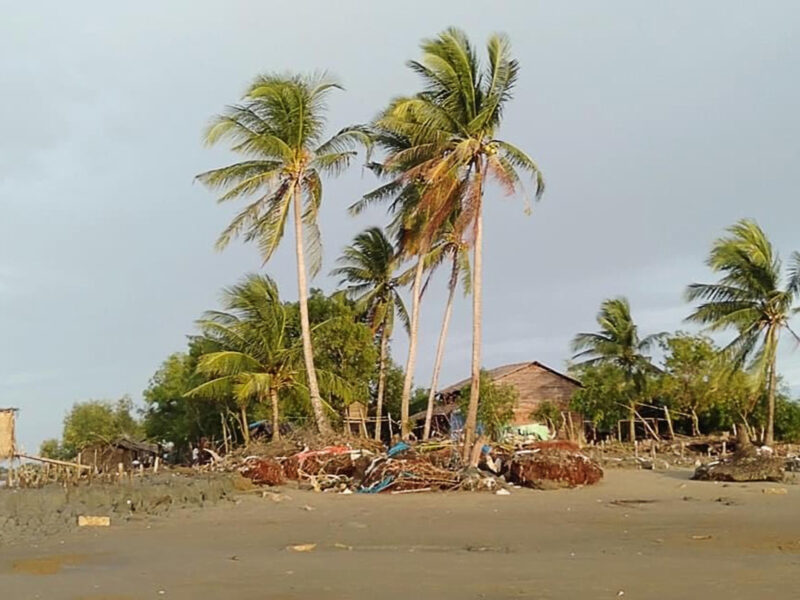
{"x": 495, "y": 408}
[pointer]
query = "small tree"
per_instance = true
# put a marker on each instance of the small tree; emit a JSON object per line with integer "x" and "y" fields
{"x": 549, "y": 413}
{"x": 496, "y": 406}
{"x": 690, "y": 381}
{"x": 98, "y": 421}
{"x": 606, "y": 393}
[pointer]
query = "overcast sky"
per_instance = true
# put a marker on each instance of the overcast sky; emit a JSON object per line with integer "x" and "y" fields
{"x": 656, "y": 126}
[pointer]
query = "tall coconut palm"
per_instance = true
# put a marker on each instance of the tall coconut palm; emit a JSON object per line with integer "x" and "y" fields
{"x": 453, "y": 150}
{"x": 618, "y": 342}
{"x": 453, "y": 248}
{"x": 369, "y": 270}
{"x": 750, "y": 298}
{"x": 278, "y": 127}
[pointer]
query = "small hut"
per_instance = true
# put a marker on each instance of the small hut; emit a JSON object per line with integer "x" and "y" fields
{"x": 106, "y": 457}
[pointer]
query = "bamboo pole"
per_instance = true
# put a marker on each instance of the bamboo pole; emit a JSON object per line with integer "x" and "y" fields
{"x": 53, "y": 461}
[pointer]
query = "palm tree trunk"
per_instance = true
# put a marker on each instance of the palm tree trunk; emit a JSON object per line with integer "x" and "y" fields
{"x": 405, "y": 399}
{"x": 320, "y": 417}
{"x": 477, "y": 323}
{"x": 769, "y": 438}
{"x": 245, "y": 425}
{"x": 276, "y": 421}
{"x": 437, "y": 365}
{"x": 381, "y": 381}
{"x": 632, "y": 422}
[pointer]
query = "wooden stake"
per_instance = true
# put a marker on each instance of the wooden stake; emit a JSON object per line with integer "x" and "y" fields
{"x": 669, "y": 424}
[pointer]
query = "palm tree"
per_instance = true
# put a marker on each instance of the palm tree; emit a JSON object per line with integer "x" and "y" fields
{"x": 255, "y": 359}
{"x": 450, "y": 247}
{"x": 618, "y": 343}
{"x": 368, "y": 267}
{"x": 410, "y": 228}
{"x": 278, "y": 128}
{"x": 450, "y": 130}
{"x": 750, "y": 299}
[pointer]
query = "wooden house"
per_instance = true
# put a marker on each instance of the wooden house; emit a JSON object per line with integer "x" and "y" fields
{"x": 535, "y": 383}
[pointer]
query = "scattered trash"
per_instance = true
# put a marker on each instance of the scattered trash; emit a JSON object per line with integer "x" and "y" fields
{"x": 342, "y": 546}
{"x": 776, "y": 491}
{"x": 701, "y": 537}
{"x": 87, "y": 521}
{"x": 502, "y": 492}
{"x": 398, "y": 448}
{"x": 302, "y": 547}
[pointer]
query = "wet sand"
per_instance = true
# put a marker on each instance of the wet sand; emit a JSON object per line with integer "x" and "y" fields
{"x": 636, "y": 535}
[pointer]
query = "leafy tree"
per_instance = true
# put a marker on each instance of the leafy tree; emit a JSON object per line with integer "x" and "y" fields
{"x": 750, "y": 299}
{"x": 692, "y": 375}
{"x": 171, "y": 417}
{"x": 618, "y": 343}
{"x": 496, "y": 409}
{"x": 549, "y": 413}
{"x": 343, "y": 349}
{"x": 787, "y": 419}
{"x": 368, "y": 268}
{"x": 607, "y": 390}
{"x": 52, "y": 448}
{"x": 98, "y": 421}
{"x": 278, "y": 126}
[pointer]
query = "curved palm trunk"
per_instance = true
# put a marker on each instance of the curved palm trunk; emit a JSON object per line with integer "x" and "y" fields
{"x": 320, "y": 417}
{"x": 381, "y": 381}
{"x": 437, "y": 365}
{"x": 276, "y": 421}
{"x": 477, "y": 324}
{"x": 412, "y": 348}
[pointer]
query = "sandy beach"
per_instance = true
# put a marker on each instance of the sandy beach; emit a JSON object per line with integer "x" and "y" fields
{"x": 638, "y": 534}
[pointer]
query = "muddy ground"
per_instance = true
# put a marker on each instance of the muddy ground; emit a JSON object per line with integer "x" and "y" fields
{"x": 31, "y": 514}
{"x": 635, "y": 535}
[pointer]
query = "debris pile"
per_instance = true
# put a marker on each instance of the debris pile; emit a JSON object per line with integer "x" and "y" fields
{"x": 748, "y": 464}
{"x": 348, "y": 465}
{"x": 542, "y": 469}
{"x": 408, "y": 474}
{"x": 263, "y": 471}
{"x": 548, "y": 464}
